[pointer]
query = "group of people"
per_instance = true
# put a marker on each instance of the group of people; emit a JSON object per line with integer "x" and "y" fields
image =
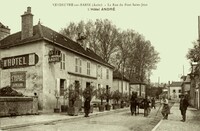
{"x": 146, "y": 103}
{"x": 135, "y": 103}
{"x": 183, "y": 107}
{"x": 165, "y": 106}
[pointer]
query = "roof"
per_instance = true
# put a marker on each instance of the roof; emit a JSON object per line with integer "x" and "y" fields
{"x": 138, "y": 83}
{"x": 118, "y": 75}
{"x": 3, "y": 26}
{"x": 176, "y": 84}
{"x": 41, "y": 32}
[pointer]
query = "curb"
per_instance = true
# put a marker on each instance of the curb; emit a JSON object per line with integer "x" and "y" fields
{"x": 63, "y": 119}
{"x": 154, "y": 129}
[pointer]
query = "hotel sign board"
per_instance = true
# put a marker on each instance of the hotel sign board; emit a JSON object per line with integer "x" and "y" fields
{"x": 54, "y": 56}
{"x": 19, "y": 61}
{"x": 18, "y": 79}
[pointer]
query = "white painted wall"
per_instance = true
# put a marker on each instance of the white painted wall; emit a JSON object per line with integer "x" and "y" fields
{"x": 174, "y": 95}
{"x": 34, "y": 74}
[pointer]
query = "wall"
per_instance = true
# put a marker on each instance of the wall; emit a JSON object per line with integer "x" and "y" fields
{"x": 18, "y": 106}
{"x": 117, "y": 85}
{"x": 53, "y": 73}
{"x": 176, "y": 94}
{"x": 136, "y": 88}
{"x": 34, "y": 74}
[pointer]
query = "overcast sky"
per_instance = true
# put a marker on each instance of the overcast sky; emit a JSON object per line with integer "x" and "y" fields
{"x": 170, "y": 25}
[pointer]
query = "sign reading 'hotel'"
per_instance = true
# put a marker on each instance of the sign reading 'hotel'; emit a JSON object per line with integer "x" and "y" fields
{"x": 19, "y": 61}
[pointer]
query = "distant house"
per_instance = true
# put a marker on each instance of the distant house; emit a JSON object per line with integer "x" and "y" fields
{"x": 175, "y": 89}
{"x": 139, "y": 88}
{"x": 120, "y": 83}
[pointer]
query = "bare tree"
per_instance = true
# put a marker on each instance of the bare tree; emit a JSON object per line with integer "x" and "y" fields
{"x": 127, "y": 50}
{"x": 101, "y": 36}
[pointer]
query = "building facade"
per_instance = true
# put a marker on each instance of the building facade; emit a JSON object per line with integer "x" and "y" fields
{"x": 139, "y": 88}
{"x": 194, "y": 93}
{"x": 175, "y": 90}
{"x": 40, "y": 60}
{"x": 120, "y": 83}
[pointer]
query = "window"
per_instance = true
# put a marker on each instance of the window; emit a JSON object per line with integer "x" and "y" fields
{"x": 174, "y": 91}
{"x": 62, "y": 85}
{"x": 107, "y": 73}
{"x": 98, "y": 71}
{"x": 62, "y": 63}
{"x": 77, "y": 85}
{"x": 126, "y": 86}
{"x": 88, "y": 68}
{"x": 179, "y": 90}
{"x": 78, "y": 64}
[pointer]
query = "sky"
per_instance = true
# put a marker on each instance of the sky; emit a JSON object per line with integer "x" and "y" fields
{"x": 170, "y": 25}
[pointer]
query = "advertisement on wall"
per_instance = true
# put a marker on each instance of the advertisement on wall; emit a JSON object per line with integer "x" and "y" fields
{"x": 18, "y": 79}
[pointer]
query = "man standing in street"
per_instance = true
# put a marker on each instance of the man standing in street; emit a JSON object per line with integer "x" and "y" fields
{"x": 183, "y": 106}
{"x": 153, "y": 103}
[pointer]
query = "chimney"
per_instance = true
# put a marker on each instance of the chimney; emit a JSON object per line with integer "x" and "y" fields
{"x": 4, "y": 31}
{"x": 81, "y": 41}
{"x": 27, "y": 24}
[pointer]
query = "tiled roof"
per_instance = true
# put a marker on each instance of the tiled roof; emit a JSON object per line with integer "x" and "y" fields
{"x": 118, "y": 75}
{"x": 41, "y": 32}
{"x": 2, "y": 26}
{"x": 176, "y": 84}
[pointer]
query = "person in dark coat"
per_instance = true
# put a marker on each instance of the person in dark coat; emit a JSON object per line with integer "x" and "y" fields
{"x": 153, "y": 103}
{"x": 146, "y": 103}
{"x": 183, "y": 106}
{"x": 87, "y": 107}
{"x": 133, "y": 104}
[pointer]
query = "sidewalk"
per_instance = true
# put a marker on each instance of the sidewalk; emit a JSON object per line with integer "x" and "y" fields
{"x": 174, "y": 124}
{"x": 28, "y": 120}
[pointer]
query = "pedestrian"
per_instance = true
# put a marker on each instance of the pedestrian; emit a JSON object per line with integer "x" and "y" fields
{"x": 133, "y": 102}
{"x": 153, "y": 103}
{"x": 87, "y": 106}
{"x": 165, "y": 108}
{"x": 183, "y": 106}
{"x": 146, "y": 103}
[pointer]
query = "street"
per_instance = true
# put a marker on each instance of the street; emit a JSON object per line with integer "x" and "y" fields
{"x": 122, "y": 121}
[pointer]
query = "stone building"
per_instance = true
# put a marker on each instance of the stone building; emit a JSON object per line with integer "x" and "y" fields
{"x": 39, "y": 60}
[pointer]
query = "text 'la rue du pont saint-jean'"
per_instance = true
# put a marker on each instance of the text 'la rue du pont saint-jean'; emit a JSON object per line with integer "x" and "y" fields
{"x": 101, "y": 6}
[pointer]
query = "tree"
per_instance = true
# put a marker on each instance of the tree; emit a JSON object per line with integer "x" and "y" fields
{"x": 101, "y": 36}
{"x": 101, "y": 94}
{"x": 194, "y": 53}
{"x": 127, "y": 50}
{"x": 116, "y": 96}
{"x": 135, "y": 56}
